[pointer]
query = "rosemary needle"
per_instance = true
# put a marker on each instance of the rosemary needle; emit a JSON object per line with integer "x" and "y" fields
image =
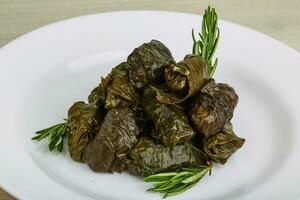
{"x": 173, "y": 183}
{"x": 55, "y": 135}
{"x": 208, "y": 40}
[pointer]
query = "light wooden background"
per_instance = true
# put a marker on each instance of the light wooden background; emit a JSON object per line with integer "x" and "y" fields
{"x": 277, "y": 18}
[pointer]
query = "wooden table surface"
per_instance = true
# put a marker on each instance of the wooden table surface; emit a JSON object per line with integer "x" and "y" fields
{"x": 279, "y": 19}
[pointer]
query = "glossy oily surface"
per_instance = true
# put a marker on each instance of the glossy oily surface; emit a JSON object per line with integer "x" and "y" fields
{"x": 44, "y": 72}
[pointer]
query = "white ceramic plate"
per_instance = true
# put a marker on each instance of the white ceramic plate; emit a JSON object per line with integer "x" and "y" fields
{"x": 42, "y": 73}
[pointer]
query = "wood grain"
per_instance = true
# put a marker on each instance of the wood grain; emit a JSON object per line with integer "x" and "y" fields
{"x": 276, "y": 18}
{"x": 5, "y": 196}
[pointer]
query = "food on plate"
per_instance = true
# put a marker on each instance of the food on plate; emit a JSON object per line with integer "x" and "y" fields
{"x": 119, "y": 91}
{"x": 82, "y": 124}
{"x": 108, "y": 150}
{"x": 171, "y": 125}
{"x": 97, "y": 95}
{"x": 167, "y": 122}
{"x": 149, "y": 156}
{"x": 143, "y": 121}
{"x": 147, "y": 64}
{"x": 183, "y": 80}
{"x": 220, "y": 146}
{"x": 212, "y": 107}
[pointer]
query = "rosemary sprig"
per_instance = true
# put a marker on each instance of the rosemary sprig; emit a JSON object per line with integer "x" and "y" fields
{"x": 207, "y": 43}
{"x": 173, "y": 183}
{"x": 55, "y": 136}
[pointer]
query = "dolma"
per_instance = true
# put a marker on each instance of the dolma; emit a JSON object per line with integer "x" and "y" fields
{"x": 213, "y": 107}
{"x": 183, "y": 80}
{"x": 97, "y": 95}
{"x": 143, "y": 121}
{"x": 149, "y": 157}
{"x": 171, "y": 124}
{"x": 119, "y": 92}
{"x": 220, "y": 146}
{"x": 108, "y": 150}
{"x": 83, "y": 121}
{"x": 147, "y": 63}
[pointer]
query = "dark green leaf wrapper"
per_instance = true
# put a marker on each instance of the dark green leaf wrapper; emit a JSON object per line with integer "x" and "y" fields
{"x": 171, "y": 123}
{"x": 148, "y": 156}
{"x": 119, "y": 91}
{"x": 143, "y": 121}
{"x": 108, "y": 150}
{"x": 147, "y": 63}
{"x": 220, "y": 146}
{"x": 82, "y": 124}
{"x": 183, "y": 80}
{"x": 213, "y": 107}
{"x": 97, "y": 95}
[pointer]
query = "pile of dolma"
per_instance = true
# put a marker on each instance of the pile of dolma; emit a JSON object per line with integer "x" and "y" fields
{"x": 151, "y": 114}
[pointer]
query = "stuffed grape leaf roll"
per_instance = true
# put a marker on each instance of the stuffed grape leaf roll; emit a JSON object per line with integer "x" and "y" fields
{"x": 143, "y": 121}
{"x": 149, "y": 156}
{"x": 147, "y": 63}
{"x": 97, "y": 95}
{"x": 213, "y": 107}
{"x": 119, "y": 91}
{"x": 171, "y": 124}
{"x": 220, "y": 146}
{"x": 82, "y": 124}
{"x": 108, "y": 150}
{"x": 183, "y": 80}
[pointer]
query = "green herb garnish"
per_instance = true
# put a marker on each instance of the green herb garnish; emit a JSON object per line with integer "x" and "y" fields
{"x": 173, "y": 183}
{"x": 55, "y": 136}
{"x": 208, "y": 39}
